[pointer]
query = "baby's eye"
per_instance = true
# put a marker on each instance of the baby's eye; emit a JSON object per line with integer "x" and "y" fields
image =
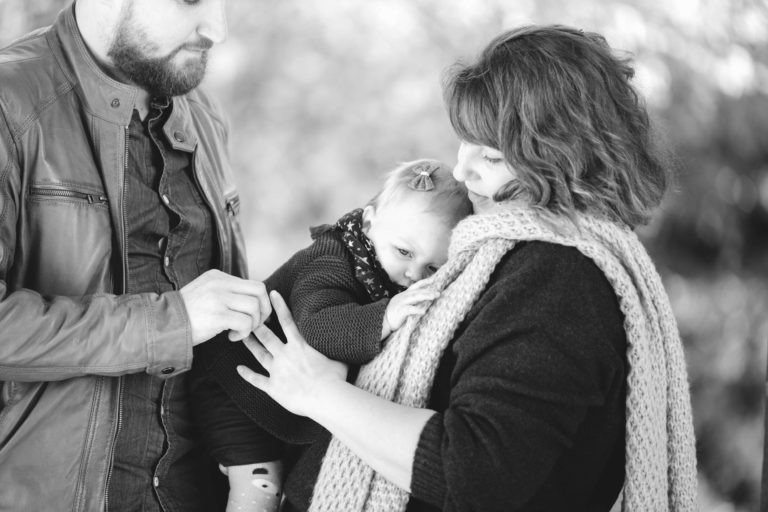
{"x": 403, "y": 252}
{"x": 432, "y": 269}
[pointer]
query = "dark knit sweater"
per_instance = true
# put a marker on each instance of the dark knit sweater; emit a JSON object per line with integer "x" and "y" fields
{"x": 336, "y": 316}
{"x": 529, "y": 396}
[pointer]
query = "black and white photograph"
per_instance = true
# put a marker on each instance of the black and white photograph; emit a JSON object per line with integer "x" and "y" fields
{"x": 383, "y": 255}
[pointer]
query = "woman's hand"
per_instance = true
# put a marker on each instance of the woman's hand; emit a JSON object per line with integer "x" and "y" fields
{"x": 296, "y": 370}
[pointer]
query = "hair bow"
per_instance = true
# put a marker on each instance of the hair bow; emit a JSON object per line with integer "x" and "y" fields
{"x": 422, "y": 181}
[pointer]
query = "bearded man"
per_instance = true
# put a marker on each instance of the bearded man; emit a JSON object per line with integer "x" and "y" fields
{"x": 120, "y": 250}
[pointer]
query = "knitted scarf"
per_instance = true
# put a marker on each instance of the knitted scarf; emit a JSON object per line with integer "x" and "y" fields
{"x": 660, "y": 452}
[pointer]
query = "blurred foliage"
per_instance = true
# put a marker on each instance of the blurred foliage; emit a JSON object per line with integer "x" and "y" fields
{"x": 326, "y": 95}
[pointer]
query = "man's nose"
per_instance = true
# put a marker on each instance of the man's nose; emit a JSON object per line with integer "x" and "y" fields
{"x": 214, "y": 22}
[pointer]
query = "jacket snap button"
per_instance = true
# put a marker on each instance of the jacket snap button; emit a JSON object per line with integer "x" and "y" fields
{"x": 115, "y": 103}
{"x": 179, "y": 136}
{"x": 166, "y": 371}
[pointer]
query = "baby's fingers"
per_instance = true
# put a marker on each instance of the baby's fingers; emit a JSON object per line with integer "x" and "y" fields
{"x": 416, "y": 296}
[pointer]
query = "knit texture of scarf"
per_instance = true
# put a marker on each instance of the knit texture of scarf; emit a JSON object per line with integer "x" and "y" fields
{"x": 660, "y": 453}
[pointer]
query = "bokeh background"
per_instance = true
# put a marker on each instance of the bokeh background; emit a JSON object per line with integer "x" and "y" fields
{"x": 326, "y": 95}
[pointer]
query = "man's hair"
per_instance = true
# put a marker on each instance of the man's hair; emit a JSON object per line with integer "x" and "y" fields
{"x": 447, "y": 198}
{"x": 560, "y": 107}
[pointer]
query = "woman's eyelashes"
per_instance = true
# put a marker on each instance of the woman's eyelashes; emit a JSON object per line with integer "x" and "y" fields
{"x": 493, "y": 160}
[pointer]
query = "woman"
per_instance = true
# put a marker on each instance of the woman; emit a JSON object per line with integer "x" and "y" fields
{"x": 549, "y": 372}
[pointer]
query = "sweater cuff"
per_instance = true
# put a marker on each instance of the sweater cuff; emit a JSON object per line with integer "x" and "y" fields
{"x": 169, "y": 344}
{"x": 427, "y": 474}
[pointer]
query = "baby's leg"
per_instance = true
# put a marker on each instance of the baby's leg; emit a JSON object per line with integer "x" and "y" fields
{"x": 255, "y": 487}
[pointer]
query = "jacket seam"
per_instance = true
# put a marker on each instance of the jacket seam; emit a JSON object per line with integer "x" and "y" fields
{"x": 41, "y": 107}
{"x": 210, "y": 111}
{"x": 150, "y": 340}
{"x": 85, "y": 456}
{"x": 77, "y": 369}
{"x": 6, "y": 171}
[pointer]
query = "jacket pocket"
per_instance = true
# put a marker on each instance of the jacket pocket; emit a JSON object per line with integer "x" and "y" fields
{"x": 67, "y": 194}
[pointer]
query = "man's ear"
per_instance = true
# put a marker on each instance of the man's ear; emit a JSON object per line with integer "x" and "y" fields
{"x": 369, "y": 213}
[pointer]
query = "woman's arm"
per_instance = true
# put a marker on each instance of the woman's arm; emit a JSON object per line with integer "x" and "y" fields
{"x": 305, "y": 382}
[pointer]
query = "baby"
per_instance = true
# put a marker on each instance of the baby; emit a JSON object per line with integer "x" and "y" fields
{"x": 355, "y": 284}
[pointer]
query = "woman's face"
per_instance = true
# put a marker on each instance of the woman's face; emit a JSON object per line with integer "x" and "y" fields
{"x": 484, "y": 171}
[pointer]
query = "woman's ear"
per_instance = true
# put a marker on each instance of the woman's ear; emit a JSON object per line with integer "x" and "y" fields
{"x": 369, "y": 213}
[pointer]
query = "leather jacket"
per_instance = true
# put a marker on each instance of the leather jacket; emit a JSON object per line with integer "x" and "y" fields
{"x": 66, "y": 332}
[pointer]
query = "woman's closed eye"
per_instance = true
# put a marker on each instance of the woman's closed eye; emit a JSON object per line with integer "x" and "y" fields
{"x": 492, "y": 159}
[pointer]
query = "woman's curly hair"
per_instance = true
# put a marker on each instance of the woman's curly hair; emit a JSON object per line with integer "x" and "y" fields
{"x": 559, "y": 105}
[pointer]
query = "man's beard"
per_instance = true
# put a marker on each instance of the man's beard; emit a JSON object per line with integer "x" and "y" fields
{"x": 157, "y": 75}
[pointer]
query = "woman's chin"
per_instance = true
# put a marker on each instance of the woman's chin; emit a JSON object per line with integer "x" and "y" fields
{"x": 480, "y": 203}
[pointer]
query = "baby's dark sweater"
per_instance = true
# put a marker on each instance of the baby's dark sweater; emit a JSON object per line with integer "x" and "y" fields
{"x": 335, "y": 315}
{"x": 530, "y": 396}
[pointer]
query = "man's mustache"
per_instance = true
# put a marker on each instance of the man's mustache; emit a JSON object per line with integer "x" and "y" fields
{"x": 201, "y": 45}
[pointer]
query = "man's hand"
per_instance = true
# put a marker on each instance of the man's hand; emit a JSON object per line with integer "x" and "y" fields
{"x": 216, "y": 302}
{"x": 413, "y": 301}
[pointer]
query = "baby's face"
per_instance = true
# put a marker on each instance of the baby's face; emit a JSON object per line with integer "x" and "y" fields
{"x": 410, "y": 244}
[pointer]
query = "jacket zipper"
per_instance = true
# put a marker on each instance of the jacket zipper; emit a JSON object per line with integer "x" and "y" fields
{"x": 57, "y": 192}
{"x": 124, "y": 284}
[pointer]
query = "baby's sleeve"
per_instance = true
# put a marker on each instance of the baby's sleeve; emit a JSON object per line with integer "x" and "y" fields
{"x": 334, "y": 313}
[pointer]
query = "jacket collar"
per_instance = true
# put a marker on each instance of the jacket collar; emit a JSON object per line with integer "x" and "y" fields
{"x": 102, "y": 95}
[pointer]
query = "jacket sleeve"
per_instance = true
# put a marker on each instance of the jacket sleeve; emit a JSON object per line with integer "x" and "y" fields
{"x": 519, "y": 393}
{"x": 328, "y": 312}
{"x": 45, "y": 338}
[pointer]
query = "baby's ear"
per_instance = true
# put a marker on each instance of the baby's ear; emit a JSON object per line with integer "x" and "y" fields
{"x": 369, "y": 213}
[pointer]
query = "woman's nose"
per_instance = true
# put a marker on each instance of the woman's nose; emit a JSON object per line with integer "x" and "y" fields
{"x": 461, "y": 169}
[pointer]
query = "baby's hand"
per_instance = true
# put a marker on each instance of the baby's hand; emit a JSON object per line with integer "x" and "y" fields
{"x": 413, "y": 301}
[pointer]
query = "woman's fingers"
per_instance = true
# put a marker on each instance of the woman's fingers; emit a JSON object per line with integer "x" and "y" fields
{"x": 268, "y": 339}
{"x": 284, "y": 316}
{"x": 255, "y": 379}
{"x": 262, "y": 355}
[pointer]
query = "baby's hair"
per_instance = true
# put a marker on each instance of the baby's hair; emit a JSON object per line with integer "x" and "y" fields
{"x": 430, "y": 180}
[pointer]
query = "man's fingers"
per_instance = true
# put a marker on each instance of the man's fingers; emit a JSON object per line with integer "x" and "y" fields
{"x": 237, "y": 335}
{"x": 253, "y": 290}
{"x": 239, "y": 324}
{"x": 265, "y": 307}
{"x": 253, "y": 378}
{"x": 284, "y": 316}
